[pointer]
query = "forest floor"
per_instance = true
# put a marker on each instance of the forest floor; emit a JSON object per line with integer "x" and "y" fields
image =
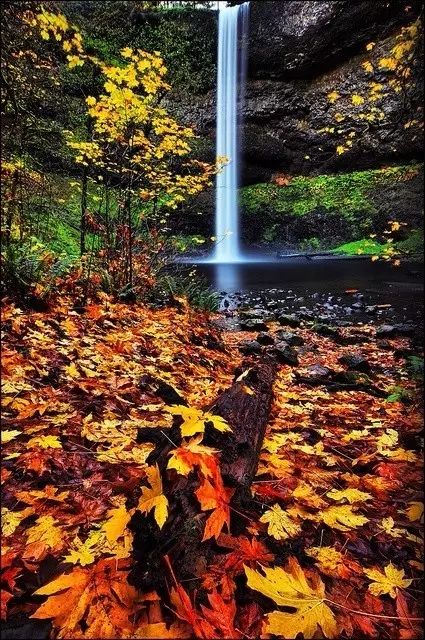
{"x": 332, "y": 538}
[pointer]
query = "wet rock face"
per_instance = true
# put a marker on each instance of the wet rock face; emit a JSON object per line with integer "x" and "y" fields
{"x": 304, "y": 37}
{"x": 299, "y": 51}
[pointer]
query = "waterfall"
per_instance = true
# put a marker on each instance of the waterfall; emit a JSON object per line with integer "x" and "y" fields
{"x": 231, "y": 71}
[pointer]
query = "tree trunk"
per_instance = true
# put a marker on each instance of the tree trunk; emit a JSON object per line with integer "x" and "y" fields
{"x": 246, "y": 407}
{"x": 83, "y": 226}
{"x": 11, "y": 207}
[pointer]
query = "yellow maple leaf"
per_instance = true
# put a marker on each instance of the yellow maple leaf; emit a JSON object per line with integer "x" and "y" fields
{"x": 367, "y": 66}
{"x": 387, "y": 63}
{"x": 342, "y": 517}
{"x": 340, "y": 149}
{"x": 153, "y": 498}
{"x": 8, "y": 435}
{"x": 333, "y": 96}
{"x": 350, "y": 495}
{"x": 192, "y": 453}
{"x": 387, "y": 582}
{"x": 10, "y": 520}
{"x": 45, "y": 442}
{"x": 370, "y": 46}
{"x": 356, "y": 99}
{"x": 289, "y": 588}
{"x": 415, "y": 511}
{"x": 82, "y": 554}
{"x": 47, "y": 532}
{"x": 280, "y": 525}
{"x": 157, "y": 630}
{"x": 304, "y": 493}
{"x": 339, "y": 117}
{"x": 100, "y": 594}
{"x": 114, "y": 528}
{"x": 332, "y": 562}
{"x": 387, "y": 525}
{"x": 126, "y": 52}
{"x": 72, "y": 371}
{"x": 194, "y": 420}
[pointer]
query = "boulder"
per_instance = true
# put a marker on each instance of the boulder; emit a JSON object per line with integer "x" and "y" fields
{"x": 290, "y": 338}
{"x": 250, "y": 347}
{"x": 253, "y": 324}
{"x": 293, "y": 38}
{"x": 265, "y": 338}
{"x": 394, "y": 330}
{"x": 356, "y": 362}
{"x": 288, "y": 320}
{"x": 285, "y": 354}
{"x": 327, "y": 331}
{"x": 318, "y": 372}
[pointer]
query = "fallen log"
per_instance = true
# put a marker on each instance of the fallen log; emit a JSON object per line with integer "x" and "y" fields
{"x": 246, "y": 407}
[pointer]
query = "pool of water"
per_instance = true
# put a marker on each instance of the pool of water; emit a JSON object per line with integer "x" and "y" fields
{"x": 294, "y": 283}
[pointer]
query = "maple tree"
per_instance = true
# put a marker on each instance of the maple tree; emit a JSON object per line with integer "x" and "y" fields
{"x": 389, "y": 69}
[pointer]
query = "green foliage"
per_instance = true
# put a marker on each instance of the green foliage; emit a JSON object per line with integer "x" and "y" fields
{"x": 399, "y": 394}
{"x": 182, "y": 243}
{"x": 191, "y": 286}
{"x": 30, "y": 267}
{"x": 413, "y": 245}
{"x": 310, "y": 244}
{"x": 183, "y": 34}
{"x": 415, "y": 368}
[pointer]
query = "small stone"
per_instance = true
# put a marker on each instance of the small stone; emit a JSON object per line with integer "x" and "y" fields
{"x": 355, "y": 362}
{"x": 384, "y": 344}
{"x": 285, "y": 354}
{"x": 357, "y": 305}
{"x": 264, "y": 338}
{"x": 371, "y": 309}
{"x": 306, "y": 315}
{"x": 250, "y": 347}
{"x": 287, "y": 320}
{"x": 327, "y": 331}
{"x": 393, "y": 330}
{"x": 318, "y": 372}
{"x": 254, "y": 314}
{"x": 290, "y": 338}
{"x": 343, "y": 323}
{"x": 253, "y": 324}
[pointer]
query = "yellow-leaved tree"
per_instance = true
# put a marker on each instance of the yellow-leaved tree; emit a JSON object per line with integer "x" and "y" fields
{"x": 141, "y": 151}
{"x": 136, "y": 152}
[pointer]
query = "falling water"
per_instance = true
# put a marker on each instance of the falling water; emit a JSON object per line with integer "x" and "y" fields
{"x": 232, "y": 42}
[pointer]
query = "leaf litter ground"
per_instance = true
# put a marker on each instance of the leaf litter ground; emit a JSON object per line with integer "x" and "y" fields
{"x": 333, "y": 541}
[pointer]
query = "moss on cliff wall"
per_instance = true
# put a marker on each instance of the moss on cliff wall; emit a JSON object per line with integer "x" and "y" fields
{"x": 333, "y": 207}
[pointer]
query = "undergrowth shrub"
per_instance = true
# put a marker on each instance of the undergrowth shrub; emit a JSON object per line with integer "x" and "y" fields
{"x": 29, "y": 268}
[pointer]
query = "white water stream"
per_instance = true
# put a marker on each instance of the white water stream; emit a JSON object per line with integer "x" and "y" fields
{"x": 231, "y": 71}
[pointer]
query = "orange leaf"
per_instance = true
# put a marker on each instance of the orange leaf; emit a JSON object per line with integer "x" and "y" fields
{"x": 214, "y": 497}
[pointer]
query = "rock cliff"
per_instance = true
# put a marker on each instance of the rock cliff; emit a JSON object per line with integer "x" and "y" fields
{"x": 307, "y": 59}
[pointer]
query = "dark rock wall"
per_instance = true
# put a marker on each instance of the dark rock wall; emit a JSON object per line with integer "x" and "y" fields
{"x": 303, "y": 38}
{"x": 299, "y": 52}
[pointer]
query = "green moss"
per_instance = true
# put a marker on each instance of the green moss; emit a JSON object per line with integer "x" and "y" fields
{"x": 413, "y": 244}
{"x": 366, "y": 246}
{"x": 347, "y": 195}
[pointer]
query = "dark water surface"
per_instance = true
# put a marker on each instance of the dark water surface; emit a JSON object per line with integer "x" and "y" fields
{"x": 319, "y": 283}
